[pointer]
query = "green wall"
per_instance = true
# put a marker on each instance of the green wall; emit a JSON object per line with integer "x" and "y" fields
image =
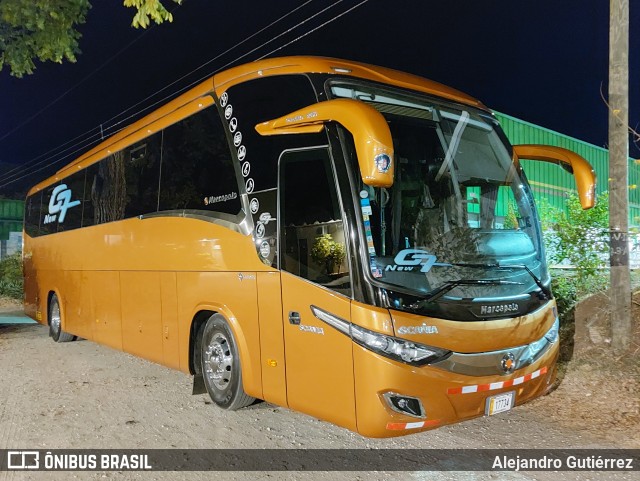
{"x": 11, "y": 215}
{"x": 554, "y": 183}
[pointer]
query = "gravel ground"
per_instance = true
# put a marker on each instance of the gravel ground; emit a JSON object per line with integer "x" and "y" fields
{"x": 82, "y": 395}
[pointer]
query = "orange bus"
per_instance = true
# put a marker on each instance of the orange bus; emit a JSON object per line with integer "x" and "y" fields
{"x": 349, "y": 241}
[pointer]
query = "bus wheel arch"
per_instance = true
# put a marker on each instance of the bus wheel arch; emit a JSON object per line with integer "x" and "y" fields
{"x": 54, "y": 319}
{"x": 220, "y": 363}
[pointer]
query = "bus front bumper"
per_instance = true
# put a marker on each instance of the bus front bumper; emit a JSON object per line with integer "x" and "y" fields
{"x": 444, "y": 397}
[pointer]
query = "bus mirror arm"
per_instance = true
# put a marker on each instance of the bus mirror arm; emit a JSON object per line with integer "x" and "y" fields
{"x": 371, "y": 135}
{"x": 568, "y": 160}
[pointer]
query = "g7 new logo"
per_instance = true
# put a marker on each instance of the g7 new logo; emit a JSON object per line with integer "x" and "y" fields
{"x": 409, "y": 259}
{"x": 59, "y": 204}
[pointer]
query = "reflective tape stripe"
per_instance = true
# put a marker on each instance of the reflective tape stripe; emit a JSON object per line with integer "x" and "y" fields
{"x": 497, "y": 385}
{"x": 415, "y": 425}
{"x": 420, "y": 424}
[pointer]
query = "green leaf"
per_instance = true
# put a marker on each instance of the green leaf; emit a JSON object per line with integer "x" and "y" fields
{"x": 46, "y": 30}
{"x": 39, "y": 30}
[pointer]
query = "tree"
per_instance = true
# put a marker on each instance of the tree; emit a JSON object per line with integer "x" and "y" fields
{"x": 149, "y": 9}
{"x": 46, "y": 30}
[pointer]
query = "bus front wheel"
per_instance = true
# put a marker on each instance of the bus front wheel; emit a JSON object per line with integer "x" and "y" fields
{"x": 55, "y": 322}
{"x": 220, "y": 365}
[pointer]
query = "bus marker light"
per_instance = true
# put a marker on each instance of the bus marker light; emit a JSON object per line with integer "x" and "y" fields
{"x": 272, "y": 362}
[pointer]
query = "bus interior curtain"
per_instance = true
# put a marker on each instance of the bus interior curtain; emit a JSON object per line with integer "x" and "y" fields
{"x": 488, "y": 200}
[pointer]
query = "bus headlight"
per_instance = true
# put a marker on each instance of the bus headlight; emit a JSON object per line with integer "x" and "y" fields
{"x": 552, "y": 334}
{"x": 388, "y": 346}
{"x": 537, "y": 348}
{"x": 397, "y": 349}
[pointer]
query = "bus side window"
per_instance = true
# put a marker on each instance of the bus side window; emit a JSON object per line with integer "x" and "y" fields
{"x": 312, "y": 232}
{"x": 253, "y": 102}
{"x": 106, "y": 186}
{"x": 73, "y": 215}
{"x": 142, "y": 172}
{"x": 197, "y": 169}
{"x": 32, "y": 215}
{"x": 89, "y": 187}
{"x": 62, "y": 205}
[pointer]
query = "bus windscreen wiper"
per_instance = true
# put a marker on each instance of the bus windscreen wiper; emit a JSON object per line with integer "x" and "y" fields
{"x": 449, "y": 285}
{"x": 545, "y": 290}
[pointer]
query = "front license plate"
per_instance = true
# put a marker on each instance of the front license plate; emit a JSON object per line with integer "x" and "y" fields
{"x": 499, "y": 403}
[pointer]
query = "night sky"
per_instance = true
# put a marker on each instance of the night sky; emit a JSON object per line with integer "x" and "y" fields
{"x": 544, "y": 61}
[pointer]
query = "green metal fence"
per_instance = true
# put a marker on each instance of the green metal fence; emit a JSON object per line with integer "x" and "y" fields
{"x": 11, "y": 209}
{"x": 11, "y": 215}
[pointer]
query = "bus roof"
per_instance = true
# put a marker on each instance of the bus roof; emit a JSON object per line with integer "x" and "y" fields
{"x": 305, "y": 64}
{"x": 171, "y": 112}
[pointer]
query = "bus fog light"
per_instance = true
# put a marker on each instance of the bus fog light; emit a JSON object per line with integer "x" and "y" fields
{"x": 408, "y": 405}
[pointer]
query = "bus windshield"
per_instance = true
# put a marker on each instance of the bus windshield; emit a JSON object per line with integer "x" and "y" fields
{"x": 459, "y": 222}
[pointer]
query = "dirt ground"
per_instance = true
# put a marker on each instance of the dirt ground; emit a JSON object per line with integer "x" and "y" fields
{"x": 8, "y": 304}
{"x": 592, "y": 369}
{"x": 82, "y": 395}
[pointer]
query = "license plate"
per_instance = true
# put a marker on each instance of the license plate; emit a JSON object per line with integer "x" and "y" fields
{"x": 499, "y": 403}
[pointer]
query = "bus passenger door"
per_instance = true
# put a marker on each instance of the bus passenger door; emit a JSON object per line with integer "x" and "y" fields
{"x": 319, "y": 362}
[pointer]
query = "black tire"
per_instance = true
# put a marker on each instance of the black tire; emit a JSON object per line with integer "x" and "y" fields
{"x": 55, "y": 322}
{"x": 220, "y": 365}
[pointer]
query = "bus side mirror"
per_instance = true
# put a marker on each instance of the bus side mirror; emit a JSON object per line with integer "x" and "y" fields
{"x": 371, "y": 135}
{"x": 570, "y": 161}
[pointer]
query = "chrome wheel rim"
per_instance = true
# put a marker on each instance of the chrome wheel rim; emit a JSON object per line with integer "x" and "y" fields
{"x": 55, "y": 317}
{"x": 218, "y": 361}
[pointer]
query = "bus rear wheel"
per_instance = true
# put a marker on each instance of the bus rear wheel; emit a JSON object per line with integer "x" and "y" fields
{"x": 55, "y": 322}
{"x": 220, "y": 364}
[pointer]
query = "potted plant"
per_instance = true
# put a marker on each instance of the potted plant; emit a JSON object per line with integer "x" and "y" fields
{"x": 328, "y": 253}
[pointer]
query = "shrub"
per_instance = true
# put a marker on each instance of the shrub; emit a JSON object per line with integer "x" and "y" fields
{"x": 566, "y": 293}
{"x": 581, "y": 238}
{"x": 11, "y": 283}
